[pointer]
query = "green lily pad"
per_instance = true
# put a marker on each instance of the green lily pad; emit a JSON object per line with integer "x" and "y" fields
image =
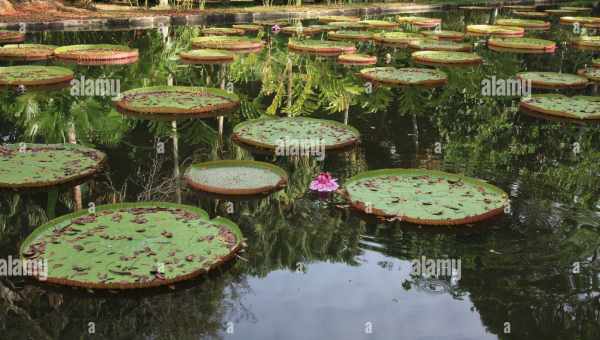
{"x": 477, "y": 8}
{"x": 132, "y": 245}
{"x": 529, "y": 24}
{"x": 26, "y": 52}
{"x": 274, "y": 133}
{"x": 396, "y": 39}
{"x": 323, "y": 47}
{"x": 236, "y": 177}
{"x": 10, "y": 37}
{"x": 222, "y": 31}
{"x": 99, "y": 54}
{"x": 301, "y": 31}
{"x": 521, "y": 7}
{"x": 337, "y": 18}
{"x": 439, "y": 45}
{"x": 592, "y": 74}
{"x": 553, "y": 80}
{"x": 28, "y": 166}
{"x": 348, "y": 24}
{"x": 275, "y": 22}
{"x": 531, "y": 14}
{"x": 560, "y": 11}
{"x": 495, "y": 30}
{"x": 581, "y": 20}
{"x": 405, "y": 76}
{"x": 587, "y": 42}
{"x": 576, "y": 9}
{"x": 248, "y": 27}
{"x": 350, "y": 35}
{"x": 172, "y": 102}
{"x": 357, "y": 59}
{"x": 596, "y": 62}
{"x": 445, "y": 35}
{"x": 380, "y": 24}
{"x": 446, "y": 58}
{"x": 225, "y": 42}
{"x": 419, "y": 21}
{"x": 425, "y": 196}
{"x": 31, "y": 75}
{"x": 325, "y": 28}
{"x": 522, "y": 44}
{"x": 582, "y": 108}
{"x": 207, "y": 56}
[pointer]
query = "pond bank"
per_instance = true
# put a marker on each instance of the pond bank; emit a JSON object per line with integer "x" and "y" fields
{"x": 136, "y": 18}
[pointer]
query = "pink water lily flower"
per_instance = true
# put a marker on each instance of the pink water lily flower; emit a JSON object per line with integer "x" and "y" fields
{"x": 275, "y": 28}
{"x": 324, "y": 183}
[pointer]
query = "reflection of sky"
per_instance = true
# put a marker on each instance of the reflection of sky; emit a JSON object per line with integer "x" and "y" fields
{"x": 334, "y": 301}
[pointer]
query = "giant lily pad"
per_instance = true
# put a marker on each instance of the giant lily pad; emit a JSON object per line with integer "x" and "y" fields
{"x": 445, "y": 58}
{"x": 587, "y": 43}
{"x": 576, "y": 9}
{"x": 596, "y": 62}
{"x": 495, "y": 30}
{"x": 172, "y": 102}
{"x": 29, "y": 166}
{"x": 579, "y": 108}
{"x": 477, "y": 8}
{"x": 592, "y": 74}
{"x": 350, "y": 35}
{"x": 26, "y": 52}
{"x": 231, "y": 43}
{"x": 207, "y": 56}
{"x": 274, "y": 133}
{"x": 531, "y": 14}
{"x": 439, "y": 45}
{"x": 301, "y": 31}
{"x": 31, "y": 75}
{"x": 424, "y": 196}
{"x": 528, "y": 24}
{"x": 560, "y": 11}
{"x": 553, "y": 80}
{"x": 132, "y": 245}
{"x": 248, "y": 28}
{"x": 380, "y": 24}
{"x": 349, "y": 25}
{"x": 357, "y": 59}
{"x": 396, "y": 39}
{"x": 275, "y": 22}
{"x": 444, "y": 35}
{"x": 424, "y": 22}
{"x": 521, "y": 7}
{"x": 325, "y": 28}
{"x": 102, "y": 54}
{"x": 521, "y": 45}
{"x": 581, "y": 20}
{"x": 405, "y": 76}
{"x": 337, "y": 18}
{"x": 222, "y": 31}
{"x": 236, "y": 177}
{"x": 322, "y": 47}
{"x": 10, "y": 37}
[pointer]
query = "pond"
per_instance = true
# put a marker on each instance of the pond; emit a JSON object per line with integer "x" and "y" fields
{"x": 313, "y": 267}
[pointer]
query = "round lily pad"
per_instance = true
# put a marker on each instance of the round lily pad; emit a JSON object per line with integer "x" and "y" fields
{"x": 495, "y": 30}
{"x": 424, "y": 22}
{"x": 446, "y": 58}
{"x": 444, "y": 35}
{"x": 301, "y": 31}
{"x": 531, "y": 14}
{"x": 592, "y": 74}
{"x": 521, "y": 7}
{"x": 11, "y": 37}
{"x": 296, "y": 132}
{"x": 225, "y": 42}
{"x": 596, "y": 62}
{"x": 322, "y": 47}
{"x": 524, "y": 45}
{"x": 560, "y": 11}
{"x": 325, "y": 28}
{"x": 553, "y": 80}
{"x": 405, "y": 76}
{"x": 587, "y": 43}
{"x": 439, "y": 45}
{"x": 30, "y": 166}
{"x": 337, "y": 18}
{"x": 222, "y": 31}
{"x": 380, "y": 24}
{"x": 350, "y": 35}
{"x": 580, "y": 108}
{"x": 275, "y": 22}
{"x": 27, "y": 52}
{"x": 348, "y": 25}
{"x": 528, "y": 24}
{"x": 576, "y": 9}
{"x": 102, "y": 54}
{"x": 396, "y": 39}
{"x": 248, "y": 27}
{"x": 132, "y": 245}
{"x": 357, "y": 59}
{"x": 568, "y": 20}
{"x": 172, "y": 102}
{"x": 32, "y": 75}
{"x": 477, "y": 8}
{"x": 207, "y": 56}
{"x": 425, "y": 196}
{"x": 236, "y": 177}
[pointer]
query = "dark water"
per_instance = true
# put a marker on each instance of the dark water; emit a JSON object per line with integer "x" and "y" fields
{"x": 313, "y": 268}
